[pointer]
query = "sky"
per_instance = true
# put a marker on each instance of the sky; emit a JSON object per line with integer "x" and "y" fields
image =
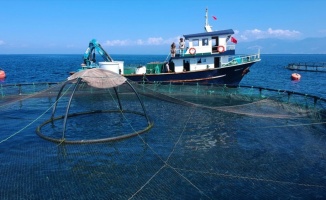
{"x": 148, "y": 26}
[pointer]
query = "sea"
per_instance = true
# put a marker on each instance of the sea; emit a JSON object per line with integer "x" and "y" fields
{"x": 270, "y": 72}
{"x": 261, "y": 149}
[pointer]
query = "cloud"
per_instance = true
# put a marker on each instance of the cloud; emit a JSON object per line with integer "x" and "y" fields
{"x": 255, "y": 47}
{"x": 116, "y": 43}
{"x": 255, "y": 34}
{"x": 142, "y": 42}
{"x": 247, "y": 35}
{"x": 2, "y": 42}
{"x": 154, "y": 41}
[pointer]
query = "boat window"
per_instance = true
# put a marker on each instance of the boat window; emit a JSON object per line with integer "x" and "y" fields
{"x": 215, "y": 41}
{"x": 214, "y": 44}
{"x": 205, "y": 41}
{"x": 201, "y": 60}
{"x": 195, "y": 42}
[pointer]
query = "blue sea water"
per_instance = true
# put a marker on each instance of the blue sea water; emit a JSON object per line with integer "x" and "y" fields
{"x": 269, "y": 73}
{"x": 190, "y": 153}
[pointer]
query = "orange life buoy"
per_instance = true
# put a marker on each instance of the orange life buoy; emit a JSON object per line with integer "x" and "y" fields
{"x": 295, "y": 76}
{"x": 2, "y": 74}
{"x": 220, "y": 49}
{"x": 192, "y": 51}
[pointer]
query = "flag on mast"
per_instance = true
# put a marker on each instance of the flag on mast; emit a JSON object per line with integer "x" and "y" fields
{"x": 235, "y": 41}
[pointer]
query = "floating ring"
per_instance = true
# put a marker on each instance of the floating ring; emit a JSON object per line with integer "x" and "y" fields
{"x": 220, "y": 49}
{"x": 89, "y": 141}
{"x": 192, "y": 51}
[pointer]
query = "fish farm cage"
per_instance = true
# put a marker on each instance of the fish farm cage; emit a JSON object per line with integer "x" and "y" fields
{"x": 200, "y": 142}
{"x": 307, "y": 66}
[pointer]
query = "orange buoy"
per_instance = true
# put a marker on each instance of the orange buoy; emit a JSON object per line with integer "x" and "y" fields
{"x": 2, "y": 74}
{"x": 295, "y": 76}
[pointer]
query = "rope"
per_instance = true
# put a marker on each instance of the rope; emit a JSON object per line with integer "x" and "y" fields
{"x": 255, "y": 179}
{"x": 147, "y": 182}
{"x": 28, "y": 96}
{"x": 293, "y": 125}
{"x": 166, "y": 162}
{"x": 166, "y": 59}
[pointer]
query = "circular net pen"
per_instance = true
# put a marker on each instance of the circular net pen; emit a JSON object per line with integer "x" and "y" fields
{"x": 208, "y": 142}
{"x": 96, "y": 99}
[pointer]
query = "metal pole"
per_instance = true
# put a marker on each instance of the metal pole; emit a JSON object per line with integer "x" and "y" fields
{"x": 68, "y": 106}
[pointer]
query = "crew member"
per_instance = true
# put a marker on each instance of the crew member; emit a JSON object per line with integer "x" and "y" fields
{"x": 173, "y": 51}
{"x": 167, "y": 67}
{"x": 181, "y": 46}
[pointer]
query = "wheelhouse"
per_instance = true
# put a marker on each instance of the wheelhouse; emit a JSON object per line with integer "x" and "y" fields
{"x": 204, "y": 51}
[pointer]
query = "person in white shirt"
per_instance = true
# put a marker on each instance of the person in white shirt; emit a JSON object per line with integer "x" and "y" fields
{"x": 181, "y": 46}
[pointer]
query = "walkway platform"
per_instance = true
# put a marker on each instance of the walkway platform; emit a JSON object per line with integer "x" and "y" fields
{"x": 314, "y": 67}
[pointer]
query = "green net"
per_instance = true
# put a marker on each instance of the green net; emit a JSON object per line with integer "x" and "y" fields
{"x": 207, "y": 142}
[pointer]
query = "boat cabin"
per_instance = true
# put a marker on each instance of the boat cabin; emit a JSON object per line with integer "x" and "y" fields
{"x": 205, "y": 50}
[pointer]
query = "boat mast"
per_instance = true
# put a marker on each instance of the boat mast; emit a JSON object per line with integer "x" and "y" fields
{"x": 208, "y": 28}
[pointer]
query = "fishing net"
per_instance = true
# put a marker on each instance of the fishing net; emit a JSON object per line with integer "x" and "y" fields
{"x": 207, "y": 142}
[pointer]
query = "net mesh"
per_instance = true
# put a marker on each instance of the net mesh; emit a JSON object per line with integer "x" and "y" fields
{"x": 207, "y": 142}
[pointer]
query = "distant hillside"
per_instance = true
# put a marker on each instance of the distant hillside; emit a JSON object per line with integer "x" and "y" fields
{"x": 278, "y": 46}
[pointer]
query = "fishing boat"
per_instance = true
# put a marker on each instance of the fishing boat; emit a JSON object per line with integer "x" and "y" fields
{"x": 207, "y": 57}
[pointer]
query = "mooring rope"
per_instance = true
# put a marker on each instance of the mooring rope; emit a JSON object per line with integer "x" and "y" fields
{"x": 147, "y": 182}
{"x": 168, "y": 165}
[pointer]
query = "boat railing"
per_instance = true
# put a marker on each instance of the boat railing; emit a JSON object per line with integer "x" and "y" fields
{"x": 230, "y": 47}
{"x": 237, "y": 60}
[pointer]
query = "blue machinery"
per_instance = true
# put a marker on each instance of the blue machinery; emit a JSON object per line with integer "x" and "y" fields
{"x": 89, "y": 55}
